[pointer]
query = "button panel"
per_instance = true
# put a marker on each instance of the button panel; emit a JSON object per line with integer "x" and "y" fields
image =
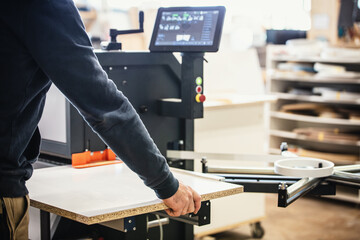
{"x": 199, "y": 90}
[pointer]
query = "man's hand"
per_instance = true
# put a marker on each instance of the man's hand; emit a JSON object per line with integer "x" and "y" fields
{"x": 184, "y": 201}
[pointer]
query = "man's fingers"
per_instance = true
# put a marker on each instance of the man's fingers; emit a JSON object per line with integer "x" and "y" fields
{"x": 176, "y": 213}
{"x": 191, "y": 207}
{"x": 187, "y": 201}
{"x": 197, "y": 206}
{"x": 197, "y": 202}
{"x": 169, "y": 212}
{"x": 173, "y": 213}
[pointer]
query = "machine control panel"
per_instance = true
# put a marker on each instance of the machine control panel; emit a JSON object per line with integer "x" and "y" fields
{"x": 188, "y": 29}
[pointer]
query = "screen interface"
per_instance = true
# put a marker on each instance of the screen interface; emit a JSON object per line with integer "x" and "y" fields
{"x": 187, "y": 28}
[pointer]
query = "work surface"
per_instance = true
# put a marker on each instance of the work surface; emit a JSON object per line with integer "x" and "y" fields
{"x": 101, "y": 194}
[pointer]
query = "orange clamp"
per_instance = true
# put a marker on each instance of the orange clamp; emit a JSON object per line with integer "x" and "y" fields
{"x": 93, "y": 159}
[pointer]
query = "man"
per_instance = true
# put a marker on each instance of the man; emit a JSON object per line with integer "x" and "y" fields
{"x": 44, "y": 42}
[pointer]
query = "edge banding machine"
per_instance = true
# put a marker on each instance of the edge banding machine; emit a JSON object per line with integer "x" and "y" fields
{"x": 169, "y": 95}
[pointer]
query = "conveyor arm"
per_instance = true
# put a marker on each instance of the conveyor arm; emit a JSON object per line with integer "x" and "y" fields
{"x": 266, "y": 181}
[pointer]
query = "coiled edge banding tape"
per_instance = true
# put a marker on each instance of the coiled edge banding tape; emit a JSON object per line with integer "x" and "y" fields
{"x": 304, "y": 167}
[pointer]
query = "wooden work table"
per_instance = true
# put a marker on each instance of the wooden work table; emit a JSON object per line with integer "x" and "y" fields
{"x": 106, "y": 193}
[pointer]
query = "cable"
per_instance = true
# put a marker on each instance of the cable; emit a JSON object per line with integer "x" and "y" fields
{"x": 160, "y": 227}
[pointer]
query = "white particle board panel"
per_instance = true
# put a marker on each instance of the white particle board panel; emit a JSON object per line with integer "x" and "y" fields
{"x": 99, "y": 194}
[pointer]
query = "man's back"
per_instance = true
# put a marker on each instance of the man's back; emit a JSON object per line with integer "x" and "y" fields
{"x": 42, "y": 40}
{"x": 23, "y": 86}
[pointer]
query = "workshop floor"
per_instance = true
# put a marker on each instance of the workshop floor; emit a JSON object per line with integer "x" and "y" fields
{"x": 305, "y": 219}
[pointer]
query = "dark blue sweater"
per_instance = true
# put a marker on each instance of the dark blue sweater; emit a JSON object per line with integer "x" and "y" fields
{"x": 44, "y": 42}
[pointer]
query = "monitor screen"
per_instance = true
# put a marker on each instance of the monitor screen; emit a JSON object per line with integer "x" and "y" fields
{"x": 188, "y": 29}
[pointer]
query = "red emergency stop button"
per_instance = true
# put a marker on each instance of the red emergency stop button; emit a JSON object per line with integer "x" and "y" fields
{"x": 200, "y": 98}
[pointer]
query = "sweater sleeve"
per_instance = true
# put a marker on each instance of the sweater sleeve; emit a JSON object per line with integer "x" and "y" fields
{"x": 56, "y": 38}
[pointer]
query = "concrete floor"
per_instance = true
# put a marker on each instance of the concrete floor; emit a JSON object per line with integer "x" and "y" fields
{"x": 305, "y": 219}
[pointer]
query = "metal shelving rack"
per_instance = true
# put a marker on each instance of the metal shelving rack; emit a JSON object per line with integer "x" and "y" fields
{"x": 281, "y": 124}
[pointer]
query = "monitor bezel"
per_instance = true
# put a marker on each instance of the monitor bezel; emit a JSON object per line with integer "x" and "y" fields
{"x": 171, "y": 48}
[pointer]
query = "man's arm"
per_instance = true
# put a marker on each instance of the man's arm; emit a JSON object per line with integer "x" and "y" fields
{"x": 56, "y": 39}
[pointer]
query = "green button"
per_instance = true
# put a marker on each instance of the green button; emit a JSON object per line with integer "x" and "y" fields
{"x": 199, "y": 80}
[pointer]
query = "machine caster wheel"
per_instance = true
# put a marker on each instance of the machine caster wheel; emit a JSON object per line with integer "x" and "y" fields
{"x": 257, "y": 231}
